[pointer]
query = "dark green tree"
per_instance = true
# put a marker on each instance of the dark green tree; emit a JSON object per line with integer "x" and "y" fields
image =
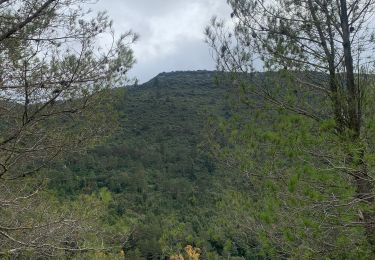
{"x": 53, "y": 74}
{"x": 318, "y": 59}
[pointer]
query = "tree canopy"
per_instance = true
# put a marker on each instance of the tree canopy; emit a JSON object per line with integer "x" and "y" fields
{"x": 53, "y": 74}
{"x": 318, "y": 57}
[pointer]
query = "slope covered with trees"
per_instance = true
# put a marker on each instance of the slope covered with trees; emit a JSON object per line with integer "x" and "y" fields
{"x": 315, "y": 194}
{"x": 235, "y": 164}
{"x": 54, "y": 74}
{"x": 165, "y": 187}
{"x": 194, "y": 162}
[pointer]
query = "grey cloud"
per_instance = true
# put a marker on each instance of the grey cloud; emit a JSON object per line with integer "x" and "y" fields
{"x": 171, "y": 32}
{"x": 193, "y": 56}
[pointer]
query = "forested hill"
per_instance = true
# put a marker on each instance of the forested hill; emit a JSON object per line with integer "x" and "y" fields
{"x": 163, "y": 182}
{"x": 172, "y": 105}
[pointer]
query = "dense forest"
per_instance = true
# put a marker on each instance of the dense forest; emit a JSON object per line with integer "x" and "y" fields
{"x": 165, "y": 186}
{"x": 269, "y": 156}
{"x": 179, "y": 171}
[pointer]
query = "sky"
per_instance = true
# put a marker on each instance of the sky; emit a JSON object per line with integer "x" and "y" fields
{"x": 171, "y": 32}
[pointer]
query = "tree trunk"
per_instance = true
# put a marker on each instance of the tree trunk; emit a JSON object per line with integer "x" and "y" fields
{"x": 364, "y": 184}
{"x": 354, "y": 120}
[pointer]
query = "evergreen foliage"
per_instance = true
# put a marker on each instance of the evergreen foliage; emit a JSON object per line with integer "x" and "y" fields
{"x": 166, "y": 188}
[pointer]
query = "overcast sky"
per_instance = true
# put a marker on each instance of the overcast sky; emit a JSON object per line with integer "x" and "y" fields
{"x": 171, "y": 32}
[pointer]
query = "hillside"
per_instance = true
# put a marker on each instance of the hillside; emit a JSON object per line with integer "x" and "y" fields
{"x": 157, "y": 168}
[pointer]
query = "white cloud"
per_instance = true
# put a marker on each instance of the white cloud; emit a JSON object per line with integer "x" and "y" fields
{"x": 171, "y": 32}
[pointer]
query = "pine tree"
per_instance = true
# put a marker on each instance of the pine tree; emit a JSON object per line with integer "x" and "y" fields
{"x": 320, "y": 54}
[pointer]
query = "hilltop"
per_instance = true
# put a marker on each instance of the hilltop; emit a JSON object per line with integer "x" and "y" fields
{"x": 157, "y": 168}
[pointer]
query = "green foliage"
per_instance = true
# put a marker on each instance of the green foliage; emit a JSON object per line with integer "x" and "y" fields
{"x": 187, "y": 168}
{"x": 55, "y": 79}
{"x": 302, "y": 204}
{"x": 156, "y": 176}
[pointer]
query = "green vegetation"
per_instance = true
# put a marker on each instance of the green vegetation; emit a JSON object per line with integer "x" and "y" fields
{"x": 55, "y": 73}
{"x": 308, "y": 146}
{"x": 166, "y": 189}
{"x": 190, "y": 165}
{"x": 234, "y": 164}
